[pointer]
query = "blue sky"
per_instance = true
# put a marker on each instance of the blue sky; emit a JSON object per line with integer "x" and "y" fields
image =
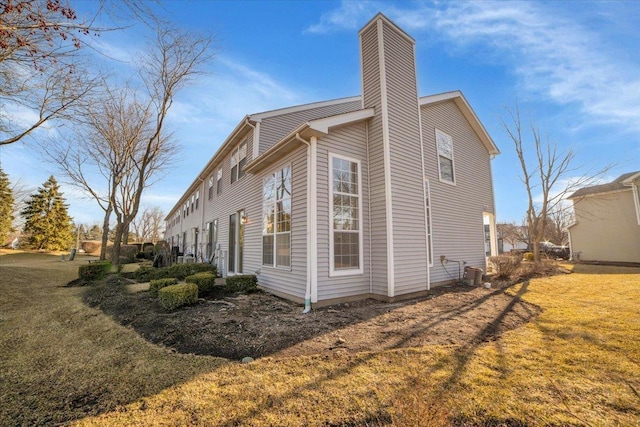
{"x": 573, "y": 68}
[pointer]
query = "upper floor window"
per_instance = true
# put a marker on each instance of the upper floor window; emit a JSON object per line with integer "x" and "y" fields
{"x": 276, "y": 218}
{"x": 210, "y": 182}
{"x": 346, "y": 216}
{"x": 193, "y": 202}
{"x": 238, "y": 160}
{"x": 219, "y": 181}
{"x": 445, "y": 157}
{"x": 197, "y": 199}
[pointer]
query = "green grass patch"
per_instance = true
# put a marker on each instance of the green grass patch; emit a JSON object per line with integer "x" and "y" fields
{"x": 578, "y": 363}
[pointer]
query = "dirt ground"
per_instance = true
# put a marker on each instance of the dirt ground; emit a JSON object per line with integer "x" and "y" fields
{"x": 260, "y": 324}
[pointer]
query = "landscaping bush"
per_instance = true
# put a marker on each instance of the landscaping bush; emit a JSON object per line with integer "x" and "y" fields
{"x": 246, "y": 283}
{"x": 528, "y": 256}
{"x": 156, "y": 285}
{"x": 505, "y": 266}
{"x": 94, "y": 271}
{"x": 174, "y": 296}
{"x": 179, "y": 271}
{"x": 91, "y": 246}
{"x": 205, "y": 281}
{"x": 127, "y": 253}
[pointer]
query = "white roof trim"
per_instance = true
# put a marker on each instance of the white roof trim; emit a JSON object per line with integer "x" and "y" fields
{"x": 381, "y": 17}
{"x": 469, "y": 114}
{"x": 323, "y": 125}
{"x": 629, "y": 181}
{"x": 309, "y": 129}
{"x": 271, "y": 113}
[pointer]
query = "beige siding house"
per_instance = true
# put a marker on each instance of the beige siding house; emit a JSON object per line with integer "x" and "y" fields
{"x": 607, "y": 221}
{"x": 380, "y": 195}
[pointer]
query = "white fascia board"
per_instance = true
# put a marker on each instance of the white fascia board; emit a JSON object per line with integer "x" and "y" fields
{"x": 629, "y": 181}
{"x": 468, "y": 113}
{"x": 325, "y": 124}
{"x": 281, "y": 111}
{"x": 381, "y": 17}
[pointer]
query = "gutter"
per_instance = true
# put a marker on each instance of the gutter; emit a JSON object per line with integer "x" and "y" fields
{"x": 311, "y": 219}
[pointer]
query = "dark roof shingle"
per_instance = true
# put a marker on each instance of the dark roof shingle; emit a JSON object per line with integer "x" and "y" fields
{"x": 616, "y": 184}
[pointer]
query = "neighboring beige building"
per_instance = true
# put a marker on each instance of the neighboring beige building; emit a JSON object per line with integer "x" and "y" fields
{"x": 607, "y": 221}
{"x": 349, "y": 198}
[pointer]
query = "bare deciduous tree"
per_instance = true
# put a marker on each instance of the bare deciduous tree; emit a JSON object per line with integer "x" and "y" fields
{"x": 43, "y": 76}
{"x": 559, "y": 219}
{"x": 171, "y": 61}
{"x": 512, "y": 233}
{"x": 148, "y": 225}
{"x": 546, "y": 174}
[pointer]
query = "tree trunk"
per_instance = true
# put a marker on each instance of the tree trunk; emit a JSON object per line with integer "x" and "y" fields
{"x": 117, "y": 243}
{"x": 105, "y": 234}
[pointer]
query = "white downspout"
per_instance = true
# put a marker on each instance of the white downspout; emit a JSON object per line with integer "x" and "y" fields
{"x": 310, "y": 224}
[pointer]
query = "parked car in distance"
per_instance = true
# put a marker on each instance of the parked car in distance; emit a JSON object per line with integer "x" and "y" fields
{"x": 554, "y": 251}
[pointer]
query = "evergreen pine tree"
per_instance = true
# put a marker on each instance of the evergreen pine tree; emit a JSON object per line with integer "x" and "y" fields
{"x": 47, "y": 222}
{"x": 7, "y": 202}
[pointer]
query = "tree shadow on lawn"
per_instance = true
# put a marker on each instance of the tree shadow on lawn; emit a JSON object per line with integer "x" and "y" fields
{"x": 260, "y": 324}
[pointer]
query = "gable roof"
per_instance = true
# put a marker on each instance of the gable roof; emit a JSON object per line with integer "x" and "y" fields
{"x": 461, "y": 102}
{"x": 292, "y": 140}
{"x": 620, "y": 183}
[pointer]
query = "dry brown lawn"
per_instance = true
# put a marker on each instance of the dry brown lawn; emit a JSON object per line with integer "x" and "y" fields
{"x": 577, "y": 363}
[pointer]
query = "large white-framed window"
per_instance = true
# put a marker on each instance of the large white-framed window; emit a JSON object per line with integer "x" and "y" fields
{"x": 446, "y": 167}
{"x": 345, "y": 216}
{"x": 238, "y": 160}
{"x": 197, "y": 199}
{"x": 427, "y": 194}
{"x": 276, "y": 218}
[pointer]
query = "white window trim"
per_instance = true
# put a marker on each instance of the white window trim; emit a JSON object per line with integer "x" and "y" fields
{"x": 453, "y": 161}
{"x": 352, "y": 271}
{"x": 429, "y": 207}
{"x": 236, "y": 159}
{"x": 275, "y": 265}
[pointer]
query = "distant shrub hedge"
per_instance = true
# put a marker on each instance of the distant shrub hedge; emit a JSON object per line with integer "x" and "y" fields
{"x": 205, "y": 281}
{"x": 245, "y": 283}
{"x": 179, "y": 271}
{"x": 94, "y": 271}
{"x": 156, "y": 285}
{"x": 174, "y": 296}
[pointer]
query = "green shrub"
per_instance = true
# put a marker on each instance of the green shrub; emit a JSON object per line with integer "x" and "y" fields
{"x": 174, "y": 296}
{"x": 246, "y": 283}
{"x": 528, "y": 256}
{"x": 205, "y": 281}
{"x": 156, "y": 285}
{"x": 179, "y": 271}
{"x": 505, "y": 266}
{"x": 94, "y": 271}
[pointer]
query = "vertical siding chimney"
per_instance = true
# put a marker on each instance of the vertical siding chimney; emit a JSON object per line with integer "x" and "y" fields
{"x": 389, "y": 84}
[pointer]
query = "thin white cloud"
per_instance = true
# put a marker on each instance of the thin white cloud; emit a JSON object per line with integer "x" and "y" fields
{"x": 554, "y": 52}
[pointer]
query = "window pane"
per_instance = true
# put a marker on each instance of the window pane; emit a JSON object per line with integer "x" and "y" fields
{"x": 346, "y": 250}
{"x": 283, "y": 250}
{"x": 284, "y": 215}
{"x": 446, "y": 169}
{"x": 267, "y": 250}
{"x": 234, "y": 174}
{"x": 268, "y": 189}
{"x": 268, "y": 218}
{"x": 241, "y": 172}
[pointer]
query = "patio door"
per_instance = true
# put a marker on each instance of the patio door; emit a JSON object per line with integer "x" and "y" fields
{"x": 236, "y": 241}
